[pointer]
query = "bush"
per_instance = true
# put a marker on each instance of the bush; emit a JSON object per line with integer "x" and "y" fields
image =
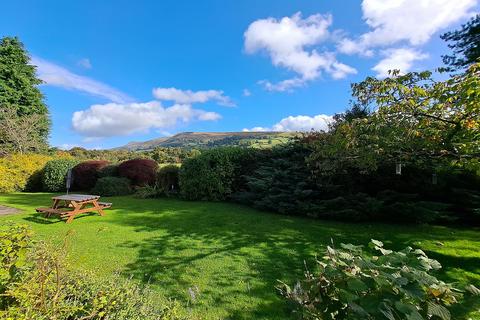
{"x": 14, "y": 240}
{"x": 215, "y": 174}
{"x": 37, "y": 284}
{"x": 55, "y": 172}
{"x": 112, "y": 186}
{"x": 141, "y": 172}
{"x": 167, "y": 178}
{"x": 110, "y": 170}
{"x": 85, "y": 174}
{"x": 353, "y": 284}
{"x": 21, "y": 172}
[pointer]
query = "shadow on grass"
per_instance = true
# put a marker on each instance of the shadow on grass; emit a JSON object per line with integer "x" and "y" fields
{"x": 273, "y": 246}
{"x": 234, "y": 255}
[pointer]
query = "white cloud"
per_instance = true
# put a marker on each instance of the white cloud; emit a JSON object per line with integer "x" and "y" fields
{"x": 411, "y": 21}
{"x": 284, "y": 85}
{"x": 113, "y": 119}
{"x": 85, "y": 63}
{"x": 246, "y": 93}
{"x": 401, "y": 59}
{"x": 189, "y": 97}
{"x": 287, "y": 40}
{"x": 55, "y": 75}
{"x": 298, "y": 123}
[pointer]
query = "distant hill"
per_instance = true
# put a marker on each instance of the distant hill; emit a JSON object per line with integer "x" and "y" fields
{"x": 213, "y": 139}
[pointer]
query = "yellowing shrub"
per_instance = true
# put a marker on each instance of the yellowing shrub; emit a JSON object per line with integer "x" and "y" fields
{"x": 19, "y": 172}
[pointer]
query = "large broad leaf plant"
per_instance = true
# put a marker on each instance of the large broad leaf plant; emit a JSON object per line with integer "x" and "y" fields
{"x": 350, "y": 283}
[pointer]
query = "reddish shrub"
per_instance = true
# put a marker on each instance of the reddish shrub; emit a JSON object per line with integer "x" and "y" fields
{"x": 141, "y": 172}
{"x": 85, "y": 174}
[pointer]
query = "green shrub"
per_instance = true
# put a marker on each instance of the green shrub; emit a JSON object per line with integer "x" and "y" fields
{"x": 112, "y": 186}
{"x": 167, "y": 179}
{"x": 215, "y": 174}
{"x": 353, "y": 284}
{"x": 14, "y": 240}
{"x": 21, "y": 172}
{"x": 55, "y": 172}
{"x": 166, "y": 184}
{"x": 108, "y": 171}
{"x": 147, "y": 192}
{"x": 39, "y": 285}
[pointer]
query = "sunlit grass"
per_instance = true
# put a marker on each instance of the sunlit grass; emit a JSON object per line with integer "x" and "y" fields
{"x": 223, "y": 260}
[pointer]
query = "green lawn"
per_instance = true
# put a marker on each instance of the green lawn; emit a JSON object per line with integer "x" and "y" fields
{"x": 232, "y": 254}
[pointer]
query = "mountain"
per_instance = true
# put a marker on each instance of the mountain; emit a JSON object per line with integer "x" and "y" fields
{"x": 212, "y": 139}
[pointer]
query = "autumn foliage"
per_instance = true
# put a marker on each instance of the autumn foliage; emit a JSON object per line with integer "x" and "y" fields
{"x": 85, "y": 174}
{"x": 141, "y": 172}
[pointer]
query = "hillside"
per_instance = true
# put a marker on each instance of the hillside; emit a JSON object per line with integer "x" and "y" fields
{"x": 213, "y": 139}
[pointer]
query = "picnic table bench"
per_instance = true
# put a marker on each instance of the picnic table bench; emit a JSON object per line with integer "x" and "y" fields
{"x": 69, "y": 205}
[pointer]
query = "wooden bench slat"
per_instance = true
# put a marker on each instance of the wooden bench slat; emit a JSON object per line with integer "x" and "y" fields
{"x": 105, "y": 204}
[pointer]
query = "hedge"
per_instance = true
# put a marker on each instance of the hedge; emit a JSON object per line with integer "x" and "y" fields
{"x": 55, "y": 172}
{"x": 21, "y": 172}
{"x": 215, "y": 174}
{"x": 112, "y": 186}
{"x": 141, "y": 172}
{"x": 85, "y": 174}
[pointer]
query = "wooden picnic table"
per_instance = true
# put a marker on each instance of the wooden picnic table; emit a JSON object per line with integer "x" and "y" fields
{"x": 69, "y": 205}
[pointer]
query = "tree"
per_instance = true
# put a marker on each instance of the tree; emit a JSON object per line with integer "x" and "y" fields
{"x": 417, "y": 120}
{"x": 19, "y": 90}
{"x": 465, "y": 44}
{"x": 21, "y": 134}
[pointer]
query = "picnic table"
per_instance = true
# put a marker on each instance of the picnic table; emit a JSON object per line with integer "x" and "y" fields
{"x": 70, "y": 205}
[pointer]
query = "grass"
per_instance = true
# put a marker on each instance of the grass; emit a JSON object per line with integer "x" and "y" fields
{"x": 229, "y": 255}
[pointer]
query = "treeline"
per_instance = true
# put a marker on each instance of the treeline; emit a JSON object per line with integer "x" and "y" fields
{"x": 408, "y": 150}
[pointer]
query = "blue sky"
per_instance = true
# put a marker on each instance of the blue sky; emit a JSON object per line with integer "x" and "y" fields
{"x": 120, "y": 71}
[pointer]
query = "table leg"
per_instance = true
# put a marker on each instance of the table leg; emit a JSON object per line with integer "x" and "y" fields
{"x": 73, "y": 213}
{"x": 98, "y": 208}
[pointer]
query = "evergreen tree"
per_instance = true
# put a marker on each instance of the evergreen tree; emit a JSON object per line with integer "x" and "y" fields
{"x": 465, "y": 44}
{"x": 19, "y": 90}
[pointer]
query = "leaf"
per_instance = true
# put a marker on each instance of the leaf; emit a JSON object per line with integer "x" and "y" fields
{"x": 357, "y": 285}
{"x": 473, "y": 290}
{"x": 438, "y": 310}
{"x": 387, "y": 311}
{"x": 347, "y": 296}
{"x": 357, "y": 309}
{"x": 414, "y": 315}
{"x": 377, "y": 243}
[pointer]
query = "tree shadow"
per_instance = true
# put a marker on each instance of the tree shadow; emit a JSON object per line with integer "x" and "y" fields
{"x": 256, "y": 249}
{"x": 234, "y": 255}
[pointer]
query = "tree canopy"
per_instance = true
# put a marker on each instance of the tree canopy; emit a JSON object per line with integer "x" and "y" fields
{"x": 19, "y": 92}
{"x": 465, "y": 44}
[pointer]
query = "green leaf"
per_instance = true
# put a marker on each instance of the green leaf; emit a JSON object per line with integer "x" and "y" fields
{"x": 387, "y": 311}
{"x": 473, "y": 290}
{"x": 357, "y": 285}
{"x": 377, "y": 243}
{"x": 438, "y": 310}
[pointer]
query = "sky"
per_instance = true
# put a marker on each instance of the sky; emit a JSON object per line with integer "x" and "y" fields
{"x": 121, "y": 71}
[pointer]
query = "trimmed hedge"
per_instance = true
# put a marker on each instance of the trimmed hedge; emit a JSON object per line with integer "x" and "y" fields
{"x": 55, "y": 172}
{"x": 21, "y": 172}
{"x": 216, "y": 174}
{"x": 85, "y": 174}
{"x": 112, "y": 186}
{"x": 141, "y": 172}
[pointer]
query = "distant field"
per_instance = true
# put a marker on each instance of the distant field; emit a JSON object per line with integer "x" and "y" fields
{"x": 229, "y": 255}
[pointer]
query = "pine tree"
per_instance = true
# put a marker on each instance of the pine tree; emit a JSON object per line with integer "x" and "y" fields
{"x": 19, "y": 90}
{"x": 465, "y": 44}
